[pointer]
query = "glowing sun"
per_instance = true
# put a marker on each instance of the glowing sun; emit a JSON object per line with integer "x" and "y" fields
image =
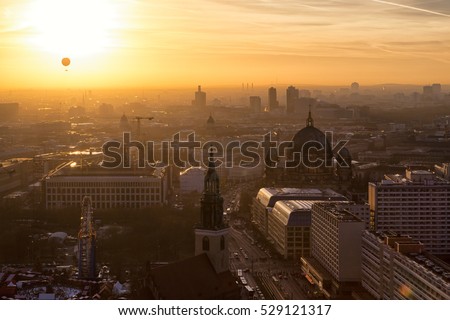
{"x": 72, "y": 27}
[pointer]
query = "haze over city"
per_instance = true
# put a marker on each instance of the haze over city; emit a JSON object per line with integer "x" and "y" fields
{"x": 225, "y": 150}
{"x": 177, "y": 43}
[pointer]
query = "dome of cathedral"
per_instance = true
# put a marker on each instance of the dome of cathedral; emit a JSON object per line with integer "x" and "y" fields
{"x": 311, "y": 138}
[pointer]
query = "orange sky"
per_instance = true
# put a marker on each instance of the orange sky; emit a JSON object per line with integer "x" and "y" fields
{"x": 148, "y": 43}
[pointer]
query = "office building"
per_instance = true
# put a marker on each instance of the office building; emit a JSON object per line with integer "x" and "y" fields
{"x": 289, "y": 225}
{"x": 266, "y": 199}
{"x": 108, "y": 188}
{"x": 397, "y": 267}
{"x": 336, "y": 240}
{"x": 436, "y": 88}
{"x": 416, "y": 203}
{"x": 200, "y": 98}
{"x": 273, "y": 102}
{"x": 335, "y": 262}
{"x": 255, "y": 103}
{"x": 292, "y": 95}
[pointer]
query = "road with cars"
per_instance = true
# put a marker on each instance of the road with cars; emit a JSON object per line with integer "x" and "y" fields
{"x": 270, "y": 276}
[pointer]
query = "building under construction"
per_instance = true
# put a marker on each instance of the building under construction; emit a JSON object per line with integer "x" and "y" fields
{"x": 86, "y": 242}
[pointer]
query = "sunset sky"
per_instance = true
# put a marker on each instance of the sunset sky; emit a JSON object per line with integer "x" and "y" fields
{"x": 147, "y": 43}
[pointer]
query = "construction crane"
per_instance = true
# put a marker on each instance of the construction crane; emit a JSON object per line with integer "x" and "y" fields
{"x": 86, "y": 241}
{"x": 139, "y": 124}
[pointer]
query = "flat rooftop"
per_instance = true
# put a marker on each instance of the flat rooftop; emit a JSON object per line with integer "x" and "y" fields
{"x": 338, "y": 211}
{"x": 430, "y": 262}
{"x": 269, "y": 196}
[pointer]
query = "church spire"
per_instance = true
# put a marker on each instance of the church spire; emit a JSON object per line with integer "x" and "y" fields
{"x": 211, "y": 202}
{"x": 211, "y": 181}
{"x": 211, "y": 234}
{"x": 309, "y": 121}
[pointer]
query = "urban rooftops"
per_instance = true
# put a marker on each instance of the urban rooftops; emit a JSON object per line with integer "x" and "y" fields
{"x": 269, "y": 196}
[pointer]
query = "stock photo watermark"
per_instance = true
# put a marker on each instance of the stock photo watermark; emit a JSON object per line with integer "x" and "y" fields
{"x": 189, "y": 152}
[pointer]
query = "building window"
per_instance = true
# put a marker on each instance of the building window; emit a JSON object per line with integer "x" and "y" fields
{"x": 205, "y": 244}
{"x": 222, "y": 243}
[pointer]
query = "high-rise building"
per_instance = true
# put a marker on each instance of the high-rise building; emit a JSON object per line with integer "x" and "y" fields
{"x": 336, "y": 240}
{"x": 292, "y": 95}
{"x": 397, "y": 267}
{"x": 86, "y": 242}
{"x": 255, "y": 103}
{"x": 436, "y": 89}
{"x": 273, "y": 102}
{"x": 335, "y": 262}
{"x": 416, "y": 204}
{"x": 211, "y": 234}
{"x": 200, "y": 98}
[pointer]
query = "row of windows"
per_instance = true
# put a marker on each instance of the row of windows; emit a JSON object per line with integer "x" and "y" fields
{"x": 104, "y": 184}
{"x": 103, "y": 205}
{"x": 102, "y": 190}
{"x": 104, "y": 198}
{"x": 384, "y": 190}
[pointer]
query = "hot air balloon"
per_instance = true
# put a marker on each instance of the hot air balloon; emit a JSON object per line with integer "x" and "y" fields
{"x": 65, "y": 62}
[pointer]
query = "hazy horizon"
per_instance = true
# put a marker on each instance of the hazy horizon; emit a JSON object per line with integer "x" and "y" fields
{"x": 173, "y": 43}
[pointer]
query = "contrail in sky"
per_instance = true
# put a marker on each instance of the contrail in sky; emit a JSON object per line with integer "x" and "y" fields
{"x": 413, "y": 8}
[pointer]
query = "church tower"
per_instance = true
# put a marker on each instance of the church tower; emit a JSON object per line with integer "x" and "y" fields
{"x": 211, "y": 234}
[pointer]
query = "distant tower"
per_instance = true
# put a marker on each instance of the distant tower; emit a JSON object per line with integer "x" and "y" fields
{"x": 255, "y": 104}
{"x": 210, "y": 122}
{"x": 86, "y": 242}
{"x": 292, "y": 95}
{"x": 200, "y": 98}
{"x": 124, "y": 124}
{"x": 436, "y": 88}
{"x": 354, "y": 87}
{"x": 211, "y": 234}
{"x": 273, "y": 102}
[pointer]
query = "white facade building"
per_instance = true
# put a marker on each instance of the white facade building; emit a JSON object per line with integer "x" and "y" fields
{"x": 417, "y": 204}
{"x": 107, "y": 188}
{"x": 336, "y": 240}
{"x": 396, "y": 267}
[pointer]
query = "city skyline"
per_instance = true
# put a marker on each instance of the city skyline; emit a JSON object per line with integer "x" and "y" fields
{"x": 137, "y": 43}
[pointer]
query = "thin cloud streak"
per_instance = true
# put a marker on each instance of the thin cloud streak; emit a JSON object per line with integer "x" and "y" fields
{"x": 412, "y": 8}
